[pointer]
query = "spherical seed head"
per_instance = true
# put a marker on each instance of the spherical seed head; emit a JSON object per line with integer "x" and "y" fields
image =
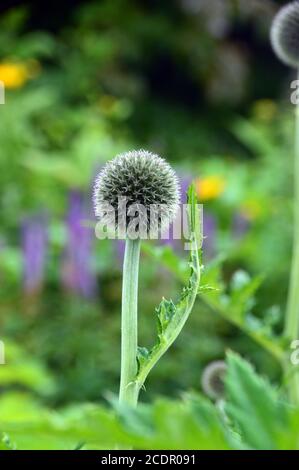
{"x": 285, "y": 34}
{"x": 212, "y": 380}
{"x": 146, "y": 181}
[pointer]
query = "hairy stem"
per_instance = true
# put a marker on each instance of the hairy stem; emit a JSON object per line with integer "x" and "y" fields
{"x": 128, "y": 392}
{"x": 292, "y": 314}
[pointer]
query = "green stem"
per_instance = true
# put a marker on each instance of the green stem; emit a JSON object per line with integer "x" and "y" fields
{"x": 128, "y": 392}
{"x": 292, "y": 314}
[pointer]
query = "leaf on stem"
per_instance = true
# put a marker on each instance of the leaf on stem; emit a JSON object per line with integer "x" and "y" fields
{"x": 172, "y": 317}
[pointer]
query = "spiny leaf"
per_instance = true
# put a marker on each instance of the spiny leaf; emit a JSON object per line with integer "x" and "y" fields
{"x": 253, "y": 405}
{"x": 142, "y": 356}
{"x": 172, "y": 317}
{"x": 165, "y": 313}
{"x": 166, "y": 424}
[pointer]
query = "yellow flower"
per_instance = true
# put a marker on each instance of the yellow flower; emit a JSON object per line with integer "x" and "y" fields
{"x": 107, "y": 103}
{"x": 264, "y": 110}
{"x": 252, "y": 209}
{"x": 210, "y": 187}
{"x": 15, "y": 74}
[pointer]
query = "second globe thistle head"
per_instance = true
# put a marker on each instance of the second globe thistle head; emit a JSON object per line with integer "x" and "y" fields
{"x": 285, "y": 34}
{"x": 213, "y": 379}
{"x": 148, "y": 185}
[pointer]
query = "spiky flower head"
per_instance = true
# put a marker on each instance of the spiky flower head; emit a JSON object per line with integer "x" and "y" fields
{"x": 212, "y": 380}
{"x": 285, "y": 34}
{"x": 148, "y": 184}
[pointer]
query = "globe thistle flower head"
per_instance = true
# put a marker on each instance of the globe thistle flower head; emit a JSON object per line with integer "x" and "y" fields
{"x": 148, "y": 185}
{"x": 285, "y": 34}
{"x": 212, "y": 380}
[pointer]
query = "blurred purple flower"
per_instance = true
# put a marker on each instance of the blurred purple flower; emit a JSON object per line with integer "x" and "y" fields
{"x": 77, "y": 275}
{"x": 34, "y": 248}
{"x": 185, "y": 182}
{"x": 209, "y": 232}
{"x": 240, "y": 226}
{"x": 120, "y": 250}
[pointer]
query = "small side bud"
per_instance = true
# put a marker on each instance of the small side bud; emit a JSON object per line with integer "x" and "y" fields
{"x": 212, "y": 380}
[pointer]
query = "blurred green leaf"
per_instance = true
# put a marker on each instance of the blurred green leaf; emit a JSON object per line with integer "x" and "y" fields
{"x": 190, "y": 424}
{"x": 21, "y": 370}
{"x": 256, "y": 409}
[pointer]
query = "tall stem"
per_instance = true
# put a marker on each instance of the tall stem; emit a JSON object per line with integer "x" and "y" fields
{"x": 128, "y": 392}
{"x": 292, "y": 314}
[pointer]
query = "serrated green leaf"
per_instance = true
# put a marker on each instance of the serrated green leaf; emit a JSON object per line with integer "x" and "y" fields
{"x": 254, "y": 406}
{"x": 193, "y": 423}
{"x": 165, "y": 313}
{"x": 215, "y": 299}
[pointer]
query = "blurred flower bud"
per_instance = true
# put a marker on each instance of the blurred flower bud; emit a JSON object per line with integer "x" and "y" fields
{"x": 285, "y": 34}
{"x": 212, "y": 380}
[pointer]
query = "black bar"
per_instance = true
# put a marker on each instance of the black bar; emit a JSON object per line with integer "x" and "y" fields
{"x": 137, "y": 458}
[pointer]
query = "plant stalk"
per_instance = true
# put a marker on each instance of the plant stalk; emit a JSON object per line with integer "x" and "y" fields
{"x": 292, "y": 313}
{"x": 128, "y": 392}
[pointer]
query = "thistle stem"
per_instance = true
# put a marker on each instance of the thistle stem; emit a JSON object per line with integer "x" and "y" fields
{"x": 128, "y": 392}
{"x": 292, "y": 314}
